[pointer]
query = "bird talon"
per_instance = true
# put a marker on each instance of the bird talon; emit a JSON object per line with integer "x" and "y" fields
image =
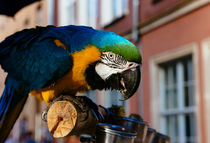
{"x": 44, "y": 115}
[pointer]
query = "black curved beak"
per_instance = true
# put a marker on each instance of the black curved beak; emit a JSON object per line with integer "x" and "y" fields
{"x": 126, "y": 82}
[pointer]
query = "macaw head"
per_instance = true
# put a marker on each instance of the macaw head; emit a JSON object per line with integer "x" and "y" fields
{"x": 118, "y": 67}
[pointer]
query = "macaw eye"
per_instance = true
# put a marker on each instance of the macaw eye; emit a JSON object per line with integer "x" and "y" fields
{"x": 111, "y": 56}
{"x": 113, "y": 60}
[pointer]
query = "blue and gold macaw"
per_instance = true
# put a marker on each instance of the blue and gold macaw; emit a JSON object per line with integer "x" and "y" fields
{"x": 49, "y": 61}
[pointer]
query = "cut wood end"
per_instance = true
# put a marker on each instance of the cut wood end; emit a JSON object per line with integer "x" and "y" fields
{"x": 61, "y": 118}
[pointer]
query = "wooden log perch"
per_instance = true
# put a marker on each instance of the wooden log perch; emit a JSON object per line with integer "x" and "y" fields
{"x": 69, "y": 115}
{"x": 61, "y": 118}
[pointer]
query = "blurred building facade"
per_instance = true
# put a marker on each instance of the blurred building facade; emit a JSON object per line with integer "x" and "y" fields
{"x": 175, "y": 45}
{"x": 92, "y": 13}
{"x": 174, "y": 37}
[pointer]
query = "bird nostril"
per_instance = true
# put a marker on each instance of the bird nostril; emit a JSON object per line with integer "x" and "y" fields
{"x": 130, "y": 65}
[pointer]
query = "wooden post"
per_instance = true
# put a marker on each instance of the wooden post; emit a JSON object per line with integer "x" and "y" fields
{"x": 69, "y": 115}
{"x": 61, "y": 118}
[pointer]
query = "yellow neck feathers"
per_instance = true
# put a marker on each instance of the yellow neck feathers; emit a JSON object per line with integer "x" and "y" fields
{"x": 74, "y": 81}
{"x": 81, "y": 60}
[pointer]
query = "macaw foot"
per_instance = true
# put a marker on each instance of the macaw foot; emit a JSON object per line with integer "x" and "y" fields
{"x": 44, "y": 115}
{"x": 48, "y": 96}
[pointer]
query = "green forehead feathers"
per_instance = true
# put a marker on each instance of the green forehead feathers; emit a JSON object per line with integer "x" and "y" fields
{"x": 109, "y": 41}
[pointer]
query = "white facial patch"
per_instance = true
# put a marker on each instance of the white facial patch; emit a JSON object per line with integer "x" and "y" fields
{"x": 104, "y": 71}
{"x": 112, "y": 63}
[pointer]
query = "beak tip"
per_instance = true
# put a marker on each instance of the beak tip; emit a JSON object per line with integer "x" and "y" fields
{"x": 126, "y": 97}
{"x": 126, "y": 83}
{"x": 132, "y": 80}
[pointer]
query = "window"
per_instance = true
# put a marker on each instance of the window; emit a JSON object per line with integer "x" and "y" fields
{"x": 177, "y": 100}
{"x": 92, "y": 12}
{"x": 66, "y": 13}
{"x": 71, "y": 11}
{"x": 50, "y": 11}
{"x": 112, "y": 10}
{"x": 87, "y": 12}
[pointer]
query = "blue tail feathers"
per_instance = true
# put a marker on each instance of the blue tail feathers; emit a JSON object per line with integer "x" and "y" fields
{"x": 11, "y": 104}
{"x": 5, "y": 101}
{"x": 7, "y": 95}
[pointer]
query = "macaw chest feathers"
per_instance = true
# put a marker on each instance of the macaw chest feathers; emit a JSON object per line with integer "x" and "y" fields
{"x": 74, "y": 81}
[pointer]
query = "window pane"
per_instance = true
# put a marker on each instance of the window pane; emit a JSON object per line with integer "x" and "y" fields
{"x": 118, "y": 8}
{"x": 191, "y": 95}
{"x": 190, "y": 69}
{"x": 186, "y": 77}
{"x": 190, "y": 128}
{"x": 174, "y": 74}
{"x": 186, "y": 96}
{"x": 172, "y": 128}
{"x": 171, "y": 91}
{"x": 166, "y": 75}
{"x": 92, "y": 12}
{"x": 171, "y": 99}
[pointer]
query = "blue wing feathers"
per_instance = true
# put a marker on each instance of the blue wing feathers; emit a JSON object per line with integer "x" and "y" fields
{"x": 37, "y": 63}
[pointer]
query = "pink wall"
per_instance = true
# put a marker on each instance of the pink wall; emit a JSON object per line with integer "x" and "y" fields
{"x": 149, "y": 10}
{"x": 193, "y": 27}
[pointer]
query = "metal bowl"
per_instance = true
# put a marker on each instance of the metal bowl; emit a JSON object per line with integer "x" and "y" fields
{"x": 107, "y": 133}
{"x": 132, "y": 125}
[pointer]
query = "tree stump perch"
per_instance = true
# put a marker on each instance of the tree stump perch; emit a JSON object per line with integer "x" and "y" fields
{"x": 68, "y": 115}
{"x": 61, "y": 118}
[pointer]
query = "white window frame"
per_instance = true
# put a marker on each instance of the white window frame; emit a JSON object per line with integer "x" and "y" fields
{"x": 205, "y": 46}
{"x": 180, "y": 110}
{"x": 155, "y": 98}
